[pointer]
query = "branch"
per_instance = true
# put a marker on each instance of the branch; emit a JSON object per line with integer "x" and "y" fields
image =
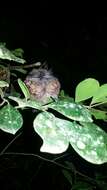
{"x": 8, "y": 145}
{"x": 25, "y": 66}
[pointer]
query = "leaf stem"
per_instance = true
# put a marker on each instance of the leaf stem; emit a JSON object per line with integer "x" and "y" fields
{"x": 9, "y": 144}
{"x": 94, "y": 105}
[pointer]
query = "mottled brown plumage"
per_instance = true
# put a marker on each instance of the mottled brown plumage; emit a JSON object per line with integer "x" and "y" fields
{"x": 42, "y": 84}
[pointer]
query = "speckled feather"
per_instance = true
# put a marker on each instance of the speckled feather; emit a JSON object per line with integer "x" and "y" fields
{"x": 42, "y": 84}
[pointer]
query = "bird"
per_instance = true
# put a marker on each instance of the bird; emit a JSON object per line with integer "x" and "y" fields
{"x": 42, "y": 84}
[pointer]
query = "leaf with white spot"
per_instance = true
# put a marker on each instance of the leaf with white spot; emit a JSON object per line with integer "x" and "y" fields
{"x": 10, "y": 119}
{"x": 90, "y": 142}
{"x": 86, "y": 89}
{"x": 88, "y": 139}
{"x": 7, "y": 54}
{"x": 53, "y": 131}
{"x": 71, "y": 110}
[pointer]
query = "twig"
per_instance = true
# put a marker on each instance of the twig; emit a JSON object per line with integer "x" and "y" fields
{"x": 25, "y": 66}
{"x": 98, "y": 104}
{"x": 34, "y": 155}
{"x": 7, "y": 146}
{"x": 60, "y": 157}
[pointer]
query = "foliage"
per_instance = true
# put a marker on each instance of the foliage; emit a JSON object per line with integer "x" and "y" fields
{"x": 76, "y": 124}
{"x": 11, "y": 55}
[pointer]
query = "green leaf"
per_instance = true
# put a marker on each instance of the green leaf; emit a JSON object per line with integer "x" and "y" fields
{"x": 53, "y": 132}
{"x": 18, "y": 52}
{"x": 88, "y": 139}
{"x": 90, "y": 142}
{"x": 62, "y": 95}
{"x": 71, "y": 110}
{"x": 100, "y": 95}
{"x": 3, "y": 84}
{"x": 99, "y": 114}
{"x": 7, "y": 54}
{"x": 86, "y": 89}
{"x": 3, "y": 44}
{"x": 10, "y": 119}
{"x": 24, "y": 89}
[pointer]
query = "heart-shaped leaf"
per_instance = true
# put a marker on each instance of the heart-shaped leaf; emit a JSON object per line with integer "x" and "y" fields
{"x": 88, "y": 139}
{"x": 86, "y": 89}
{"x": 10, "y": 119}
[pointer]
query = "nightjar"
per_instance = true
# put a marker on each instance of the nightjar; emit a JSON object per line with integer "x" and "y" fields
{"x": 42, "y": 84}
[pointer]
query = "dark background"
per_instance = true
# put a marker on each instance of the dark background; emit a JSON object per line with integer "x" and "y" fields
{"x": 75, "y": 51}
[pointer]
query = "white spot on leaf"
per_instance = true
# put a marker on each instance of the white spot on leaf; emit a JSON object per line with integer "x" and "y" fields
{"x": 80, "y": 145}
